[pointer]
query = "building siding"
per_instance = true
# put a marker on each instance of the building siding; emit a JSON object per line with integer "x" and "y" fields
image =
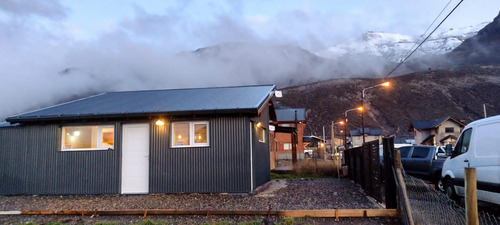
{"x": 260, "y": 151}
{"x": 32, "y": 164}
{"x": 224, "y": 166}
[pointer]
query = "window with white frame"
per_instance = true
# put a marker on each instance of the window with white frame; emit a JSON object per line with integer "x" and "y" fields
{"x": 261, "y": 133}
{"x": 80, "y": 138}
{"x": 287, "y": 146}
{"x": 190, "y": 134}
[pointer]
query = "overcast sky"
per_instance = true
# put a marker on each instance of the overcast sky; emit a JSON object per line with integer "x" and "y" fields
{"x": 127, "y": 45}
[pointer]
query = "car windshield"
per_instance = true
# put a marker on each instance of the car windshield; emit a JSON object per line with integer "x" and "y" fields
{"x": 405, "y": 151}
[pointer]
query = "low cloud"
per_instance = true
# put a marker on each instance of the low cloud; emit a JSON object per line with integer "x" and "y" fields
{"x": 48, "y": 8}
{"x": 44, "y": 62}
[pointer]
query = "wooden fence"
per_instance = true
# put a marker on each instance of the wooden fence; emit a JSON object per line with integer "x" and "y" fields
{"x": 364, "y": 168}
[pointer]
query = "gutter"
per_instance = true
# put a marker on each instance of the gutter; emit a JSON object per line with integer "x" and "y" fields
{"x": 125, "y": 115}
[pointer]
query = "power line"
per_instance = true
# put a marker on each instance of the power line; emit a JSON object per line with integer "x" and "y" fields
{"x": 429, "y": 27}
{"x": 404, "y": 60}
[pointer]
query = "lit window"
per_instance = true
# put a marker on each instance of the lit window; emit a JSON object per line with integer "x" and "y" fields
{"x": 78, "y": 138}
{"x": 287, "y": 146}
{"x": 190, "y": 134}
{"x": 261, "y": 133}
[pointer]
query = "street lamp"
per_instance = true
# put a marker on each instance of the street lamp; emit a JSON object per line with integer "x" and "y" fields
{"x": 333, "y": 132}
{"x": 334, "y": 150}
{"x": 345, "y": 127}
{"x": 385, "y": 84}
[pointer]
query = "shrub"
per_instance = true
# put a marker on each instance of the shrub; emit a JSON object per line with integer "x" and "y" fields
{"x": 287, "y": 221}
{"x": 319, "y": 167}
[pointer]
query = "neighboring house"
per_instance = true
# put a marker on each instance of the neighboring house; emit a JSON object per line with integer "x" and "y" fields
{"x": 311, "y": 141}
{"x": 294, "y": 118}
{"x": 441, "y": 131}
{"x": 204, "y": 140}
{"x": 371, "y": 134}
{"x": 313, "y": 146}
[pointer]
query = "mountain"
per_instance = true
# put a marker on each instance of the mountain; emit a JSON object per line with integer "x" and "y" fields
{"x": 394, "y": 47}
{"x": 373, "y": 55}
{"x": 283, "y": 65}
{"x": 483, "y": 48}
{"x": 458, "y": 92}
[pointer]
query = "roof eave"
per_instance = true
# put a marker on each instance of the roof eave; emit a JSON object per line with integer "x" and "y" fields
{"x": 252, "y": 111}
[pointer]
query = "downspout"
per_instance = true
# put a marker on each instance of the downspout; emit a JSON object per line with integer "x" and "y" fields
{"x": 251, "y": 158}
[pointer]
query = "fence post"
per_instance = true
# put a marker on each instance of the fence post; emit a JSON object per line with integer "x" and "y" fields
{"x": 471, "y": 196}
{"x": 399, "y": 174}
{"x": 390, "y": 183}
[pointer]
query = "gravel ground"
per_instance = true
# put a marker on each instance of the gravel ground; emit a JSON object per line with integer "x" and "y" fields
{"x": 283, "y": 195}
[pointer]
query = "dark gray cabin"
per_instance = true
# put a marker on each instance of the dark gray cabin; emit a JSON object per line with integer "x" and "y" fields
{"x": 205, "y": 140}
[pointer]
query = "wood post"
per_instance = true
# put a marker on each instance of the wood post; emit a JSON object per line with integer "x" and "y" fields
{"x": 390, "y": 183}
{"x": 399, "y": 174}
{"x": 294, "y": 147}
{"x": 471, "y": 196}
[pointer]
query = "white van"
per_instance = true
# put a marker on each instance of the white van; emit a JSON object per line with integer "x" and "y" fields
{"x": 478, "y": 147}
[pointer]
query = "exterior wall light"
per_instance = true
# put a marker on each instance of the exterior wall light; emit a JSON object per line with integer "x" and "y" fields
{"x": 259, "y": 124}
{"x": 160, "y": 123}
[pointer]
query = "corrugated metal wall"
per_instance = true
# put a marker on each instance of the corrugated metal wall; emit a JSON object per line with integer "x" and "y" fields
{"x": 261, "y": 158}
{"x": 32, "y": 164}
{"x": 224, "y": 166}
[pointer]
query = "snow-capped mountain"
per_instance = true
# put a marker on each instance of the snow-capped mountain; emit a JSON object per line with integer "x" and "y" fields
{"x": 394, "y": 47}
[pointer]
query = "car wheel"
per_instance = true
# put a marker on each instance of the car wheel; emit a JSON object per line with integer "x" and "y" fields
{"x": 439, "y": 184}
{"x": 449, "y": 189}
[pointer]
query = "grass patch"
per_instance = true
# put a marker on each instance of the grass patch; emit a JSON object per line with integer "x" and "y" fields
{"x": 150, "y": 222}
{"x": 287, "y": 221}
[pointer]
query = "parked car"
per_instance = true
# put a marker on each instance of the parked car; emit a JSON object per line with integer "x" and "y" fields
{"x": 311, "y": 152}
{"x": 424, "y": 161}
{"x": 478, "y": 146}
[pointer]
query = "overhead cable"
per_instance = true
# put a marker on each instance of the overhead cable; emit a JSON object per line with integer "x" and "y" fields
{"x": 411, "y": 53}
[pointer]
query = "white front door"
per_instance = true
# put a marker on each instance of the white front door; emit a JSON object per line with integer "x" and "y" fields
{"x": 135, "y": 159}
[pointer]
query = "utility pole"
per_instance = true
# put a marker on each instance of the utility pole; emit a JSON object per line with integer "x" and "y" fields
{"x": 324, "y": 145}
{"x": 484, "y": 108}
{"x": 332, "y": 139}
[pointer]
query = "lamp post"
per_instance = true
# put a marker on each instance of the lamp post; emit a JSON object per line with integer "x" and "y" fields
{"x": 385, "y": 84}
{"x": 334, "y": 150}
{"x": 333, "y": 132}
{"x": 345, "y": 127}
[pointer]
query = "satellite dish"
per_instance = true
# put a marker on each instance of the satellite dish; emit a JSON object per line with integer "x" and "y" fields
{"x": 272, "y": 128}
{"x": 278, "y": 94}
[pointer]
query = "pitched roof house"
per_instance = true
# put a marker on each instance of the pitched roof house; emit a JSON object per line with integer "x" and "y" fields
{"x": 202, "y": 140}
{"x": 291, "y": 122}
{"x": 371, "y": 134}
{"x": 440, "y": 131}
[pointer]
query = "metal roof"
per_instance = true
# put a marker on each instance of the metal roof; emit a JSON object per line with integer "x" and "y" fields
{"x": 310, "y": 138}
{"x": 291, "y": 114}
{"x": 242, "y": 99}
{"x": 368, "y": 131}
{"x": 429, "y": 124}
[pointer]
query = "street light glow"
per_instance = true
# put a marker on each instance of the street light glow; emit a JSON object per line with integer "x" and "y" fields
{"x": 360, "y": 108}
{"x": 341, "y": 122}
{"x": 386, "y": 84}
